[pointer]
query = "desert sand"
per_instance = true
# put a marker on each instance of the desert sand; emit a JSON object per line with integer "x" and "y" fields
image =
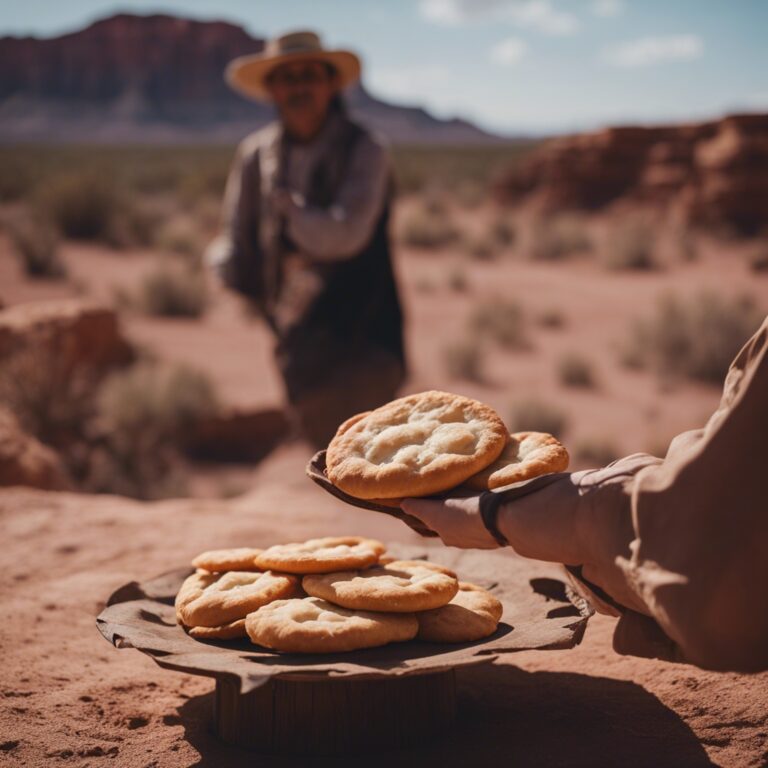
{"x": 71, "y": 699}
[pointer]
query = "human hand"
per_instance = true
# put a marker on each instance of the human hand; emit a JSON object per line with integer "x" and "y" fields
{"x": 456, "y": 521}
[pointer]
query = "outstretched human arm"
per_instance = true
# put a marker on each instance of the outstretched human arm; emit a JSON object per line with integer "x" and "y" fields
{"x": 681, "y": 541}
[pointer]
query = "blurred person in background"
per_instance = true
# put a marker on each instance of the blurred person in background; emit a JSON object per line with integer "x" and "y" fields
{"x": 306, "y": 238}
{"x": 676, "y": 548}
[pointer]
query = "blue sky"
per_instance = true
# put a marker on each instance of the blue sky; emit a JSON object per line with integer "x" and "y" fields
{"x": 510, "y": 65}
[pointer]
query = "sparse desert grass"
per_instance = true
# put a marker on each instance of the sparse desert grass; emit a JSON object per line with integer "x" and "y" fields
{"x": 502, "y": 321}
{"x": 558, "y": 237}
{"x": 631, "y": 245}
{"x": 574, "y": 370}
{"x": 694, "y": 338}
{"x": 51, "y": 397}
{"x": 83, "y": 206}
{"x": 464, "y": 359}
{"x": 595, "y": 451}
{"x": 145, "y": 413}
{"x": 428, "y": 230}
{"x": 533, "y": 415}
{"x": 180, "y": 236}
{"x": 36, "y": 244}
{"x": 419, "y": 166}
{"x": 480, "y": 248}
{"x": 551, "y": 318}
{"x": 758, "y": 259}
{"x": 503, "y": 232}
{"x": 469, "y": 193}
{"x": 173, "y": 290}
{"x": 457, "y": 280}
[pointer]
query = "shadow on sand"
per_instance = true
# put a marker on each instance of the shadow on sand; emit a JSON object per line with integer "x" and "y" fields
{"x": 510, "y": 717}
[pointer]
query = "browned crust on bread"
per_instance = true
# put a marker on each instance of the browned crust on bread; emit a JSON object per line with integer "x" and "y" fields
{"x": 472, "y": 614}
{"x": 415, "y": 446}
{"x": 275, "y": 627}
{"x": 317, "y": 555}
{"x": 527, "y": 455}
{"x": 234, "y": 559}
{"x": 402, "y": 586}
{"x": 231, "y": 631}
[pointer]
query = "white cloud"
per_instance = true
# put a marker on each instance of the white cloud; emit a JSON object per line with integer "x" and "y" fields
{"x": 607, "y": 7}
{"x": 409, "y": 85}
{"x": 540, "y": 15}
{"x": 509, "y": 51}
{"x": 646, "y": 51}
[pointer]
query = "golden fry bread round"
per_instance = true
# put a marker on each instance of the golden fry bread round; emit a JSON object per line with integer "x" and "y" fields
{"x": 472, "y": 614}
{"x": 231, "y": 631}
{"x": 334, "y": 553}
{"x": 402, "y": 586}
{"x": 220, "y": 560}
{"x": 212, "y": 600}
{"x": 414, "y": 446}
{"x": 527, "y": 455}
{"x": 312, "y": 625}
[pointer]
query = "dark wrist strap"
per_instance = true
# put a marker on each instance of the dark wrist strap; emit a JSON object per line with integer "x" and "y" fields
{"x": 489, "y": 512}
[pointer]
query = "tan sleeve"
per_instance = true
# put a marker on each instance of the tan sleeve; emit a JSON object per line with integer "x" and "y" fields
{"x": 699, "y": 560}
{"x": 345, "y": 227}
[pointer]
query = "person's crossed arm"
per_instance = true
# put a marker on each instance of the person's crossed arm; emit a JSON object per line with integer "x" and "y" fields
{"x": 678, "y": 548}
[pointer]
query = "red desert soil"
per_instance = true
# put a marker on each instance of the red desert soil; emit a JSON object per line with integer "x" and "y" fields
{"x": 71, "y": 699}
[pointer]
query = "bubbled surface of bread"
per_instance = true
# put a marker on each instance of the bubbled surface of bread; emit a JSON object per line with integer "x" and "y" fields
{"x": 415, "y": 446}
{"x": 312, "y": 625}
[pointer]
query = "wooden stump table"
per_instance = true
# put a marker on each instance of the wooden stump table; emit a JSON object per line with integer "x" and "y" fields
{"x": 332, "y": 704}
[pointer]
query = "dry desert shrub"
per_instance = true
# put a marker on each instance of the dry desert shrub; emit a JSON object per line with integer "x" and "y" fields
{"x": 145, "y": 413}
{"x": 457, "y": 280}
{"x": 502, "y": 321}
{"x": 595, "y": 451}
{"x": 480, "y": 248}
{"x": 428, "y": 229}
{"x": 631, "y": 245}
{"x": 551, "y": 318}
{"x": 694, "y": 338}
{"x": 558, "y": 237}
{"x": 173, "y": 290}
{"x": 532, "y": 415}
{"x": 503, "y": 232}
{"x": 464, "y": 359}
{"x": 758, "y": 259}
{"x": 36, "y": 244}
{"x": 50, "y": 396}
{"x": 86, "y": 206}
{"x": 573, "y": 370}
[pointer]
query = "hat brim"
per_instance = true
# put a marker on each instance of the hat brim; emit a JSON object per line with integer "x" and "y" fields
{"x": 248, "y": 74}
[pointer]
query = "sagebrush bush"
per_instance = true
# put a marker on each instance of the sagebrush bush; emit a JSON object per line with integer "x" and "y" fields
{"x": 532, "y": 415}
{"x": 463, "y": 359}
{"x": 173, "y": 290}
{"x": 480, "y": 248}
{"x": 573, "y": 370}
{"x": 36, "y": 244}
{"x": 83, "y": 206}
{"x": 146, "y": 413}
{"x": 428, "y": 230}
{"x": 503, "y": 232}
{"x": 694, "y": 338}
{"x": 502, "y": 321}
{"x": 551, "y": 318}
{"x": 631, "y": 245}
{"x": 50, "y": 395}
{"x": 457, "y": 280}
{"x": 558, "y": 237}
{"x": 758, "y": 259}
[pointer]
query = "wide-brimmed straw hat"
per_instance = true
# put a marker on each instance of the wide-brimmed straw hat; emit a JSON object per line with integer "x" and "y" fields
{"x": 248, "y": 74}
